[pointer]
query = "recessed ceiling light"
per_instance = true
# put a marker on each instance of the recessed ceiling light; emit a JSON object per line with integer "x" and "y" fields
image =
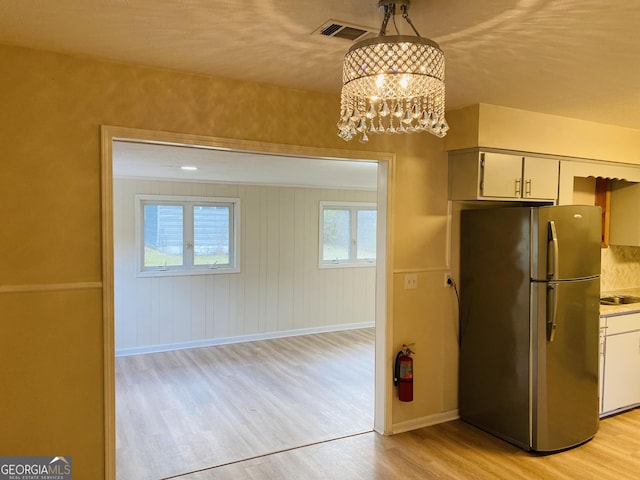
{"x": 188, "y": 167}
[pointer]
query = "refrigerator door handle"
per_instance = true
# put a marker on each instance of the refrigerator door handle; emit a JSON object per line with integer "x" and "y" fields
{"x": 552, "y": 252}
{"x": 552, "y": 311}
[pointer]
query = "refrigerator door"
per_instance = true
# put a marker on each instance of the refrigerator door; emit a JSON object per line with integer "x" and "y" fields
{"x": 494, "y": 322}
{"x": 565, "y": 242}
{"x": 565, "y": 363}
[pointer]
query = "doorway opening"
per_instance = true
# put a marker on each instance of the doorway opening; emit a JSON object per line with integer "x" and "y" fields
{"x": 375, "y": 336}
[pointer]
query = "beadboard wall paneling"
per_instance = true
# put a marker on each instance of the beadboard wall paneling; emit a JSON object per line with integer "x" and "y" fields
{"x": 279, "y": 288}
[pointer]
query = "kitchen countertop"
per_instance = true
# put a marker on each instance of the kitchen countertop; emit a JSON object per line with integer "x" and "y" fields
{"x": 611, "y": 310}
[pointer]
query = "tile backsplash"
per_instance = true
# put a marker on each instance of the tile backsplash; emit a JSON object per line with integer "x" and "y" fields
{"x": 620, "y": 268}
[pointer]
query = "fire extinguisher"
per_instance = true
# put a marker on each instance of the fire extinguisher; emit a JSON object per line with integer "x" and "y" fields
{"x": 403, "y": 374}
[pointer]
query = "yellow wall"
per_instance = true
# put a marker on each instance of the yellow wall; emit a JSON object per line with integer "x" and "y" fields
{"x": 51, "y": 394}
{"x": 493, "y": 126}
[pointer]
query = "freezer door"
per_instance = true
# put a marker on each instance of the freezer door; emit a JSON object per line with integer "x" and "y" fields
{"x": 565, "y": 363}
{"x": 565, "y": 242}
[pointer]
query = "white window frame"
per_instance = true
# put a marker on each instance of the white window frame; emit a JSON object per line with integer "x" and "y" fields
{"x": 187, "y": 202}
{"x": 353, "y": 207}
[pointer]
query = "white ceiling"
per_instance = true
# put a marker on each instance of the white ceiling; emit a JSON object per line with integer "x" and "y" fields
{"x": 152, "y": 161}
{"x": 575, "y": 58}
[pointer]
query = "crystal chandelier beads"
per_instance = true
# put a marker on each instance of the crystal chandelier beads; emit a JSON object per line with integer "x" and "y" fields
{"x": 393, "y": 84}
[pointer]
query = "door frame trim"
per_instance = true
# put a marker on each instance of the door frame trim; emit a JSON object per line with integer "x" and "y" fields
{"x": 384, "y": 270}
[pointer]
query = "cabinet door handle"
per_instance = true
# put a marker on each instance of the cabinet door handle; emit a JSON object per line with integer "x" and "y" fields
{"x": 527, "y": 188}
{"x": 518, "y": 187}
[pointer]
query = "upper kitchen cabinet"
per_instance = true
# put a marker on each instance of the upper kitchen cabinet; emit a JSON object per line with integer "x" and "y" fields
{"x": 624, "y": 221}
{"x": 478, "y": 175}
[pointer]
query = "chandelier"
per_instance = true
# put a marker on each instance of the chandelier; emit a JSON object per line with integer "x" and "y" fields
{"x": 392, "y": 84}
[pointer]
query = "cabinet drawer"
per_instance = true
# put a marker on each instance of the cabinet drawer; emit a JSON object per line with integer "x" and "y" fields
{"x": 623, "y": 323}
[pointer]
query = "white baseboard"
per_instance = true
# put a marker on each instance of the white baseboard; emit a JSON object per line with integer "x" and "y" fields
{"x": 210, "y": 342}
{"x": 425, "y": 421}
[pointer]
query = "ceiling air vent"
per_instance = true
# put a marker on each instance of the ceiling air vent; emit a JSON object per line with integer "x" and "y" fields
{"x": 338, "y": 29}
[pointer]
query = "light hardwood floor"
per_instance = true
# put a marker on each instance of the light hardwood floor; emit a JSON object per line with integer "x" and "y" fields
{"x": 453, "y": 450}
{"x": 201, "y": 425}
{"x": 182, "y": 411}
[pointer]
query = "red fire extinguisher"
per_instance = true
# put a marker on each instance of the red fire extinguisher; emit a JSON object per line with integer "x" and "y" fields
{"x": 403, "y": 374}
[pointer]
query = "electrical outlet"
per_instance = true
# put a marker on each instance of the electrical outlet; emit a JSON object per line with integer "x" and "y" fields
{"x": 411, "y": 281}
{"x": 448, "y": 279}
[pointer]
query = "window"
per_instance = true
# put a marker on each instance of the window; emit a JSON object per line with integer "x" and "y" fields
{"x": 347, "y": 234}
{"x": 187, "y": 235}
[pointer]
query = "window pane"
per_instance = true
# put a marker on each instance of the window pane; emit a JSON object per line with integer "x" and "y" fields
{"x": 366, "y": 234}
{"x": 335, "y": 233}
{"x": 163, "y": 235}
{"x": 211, "y": 232}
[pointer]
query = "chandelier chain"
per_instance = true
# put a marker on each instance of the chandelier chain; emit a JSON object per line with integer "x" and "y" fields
{"x": 385, "y": 20}
{"x": 405, "y": 15}
{"x": 395, "y": 25}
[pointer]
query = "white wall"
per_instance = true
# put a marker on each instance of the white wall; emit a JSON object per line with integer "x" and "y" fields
{"x": 279, "y": 291}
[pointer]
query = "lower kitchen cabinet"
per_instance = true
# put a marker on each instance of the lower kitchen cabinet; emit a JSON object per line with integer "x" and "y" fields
{"x": 620, "y": 368}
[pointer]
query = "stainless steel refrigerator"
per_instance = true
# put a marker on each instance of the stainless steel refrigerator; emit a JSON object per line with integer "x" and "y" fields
{"x": 529, "y": 313}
